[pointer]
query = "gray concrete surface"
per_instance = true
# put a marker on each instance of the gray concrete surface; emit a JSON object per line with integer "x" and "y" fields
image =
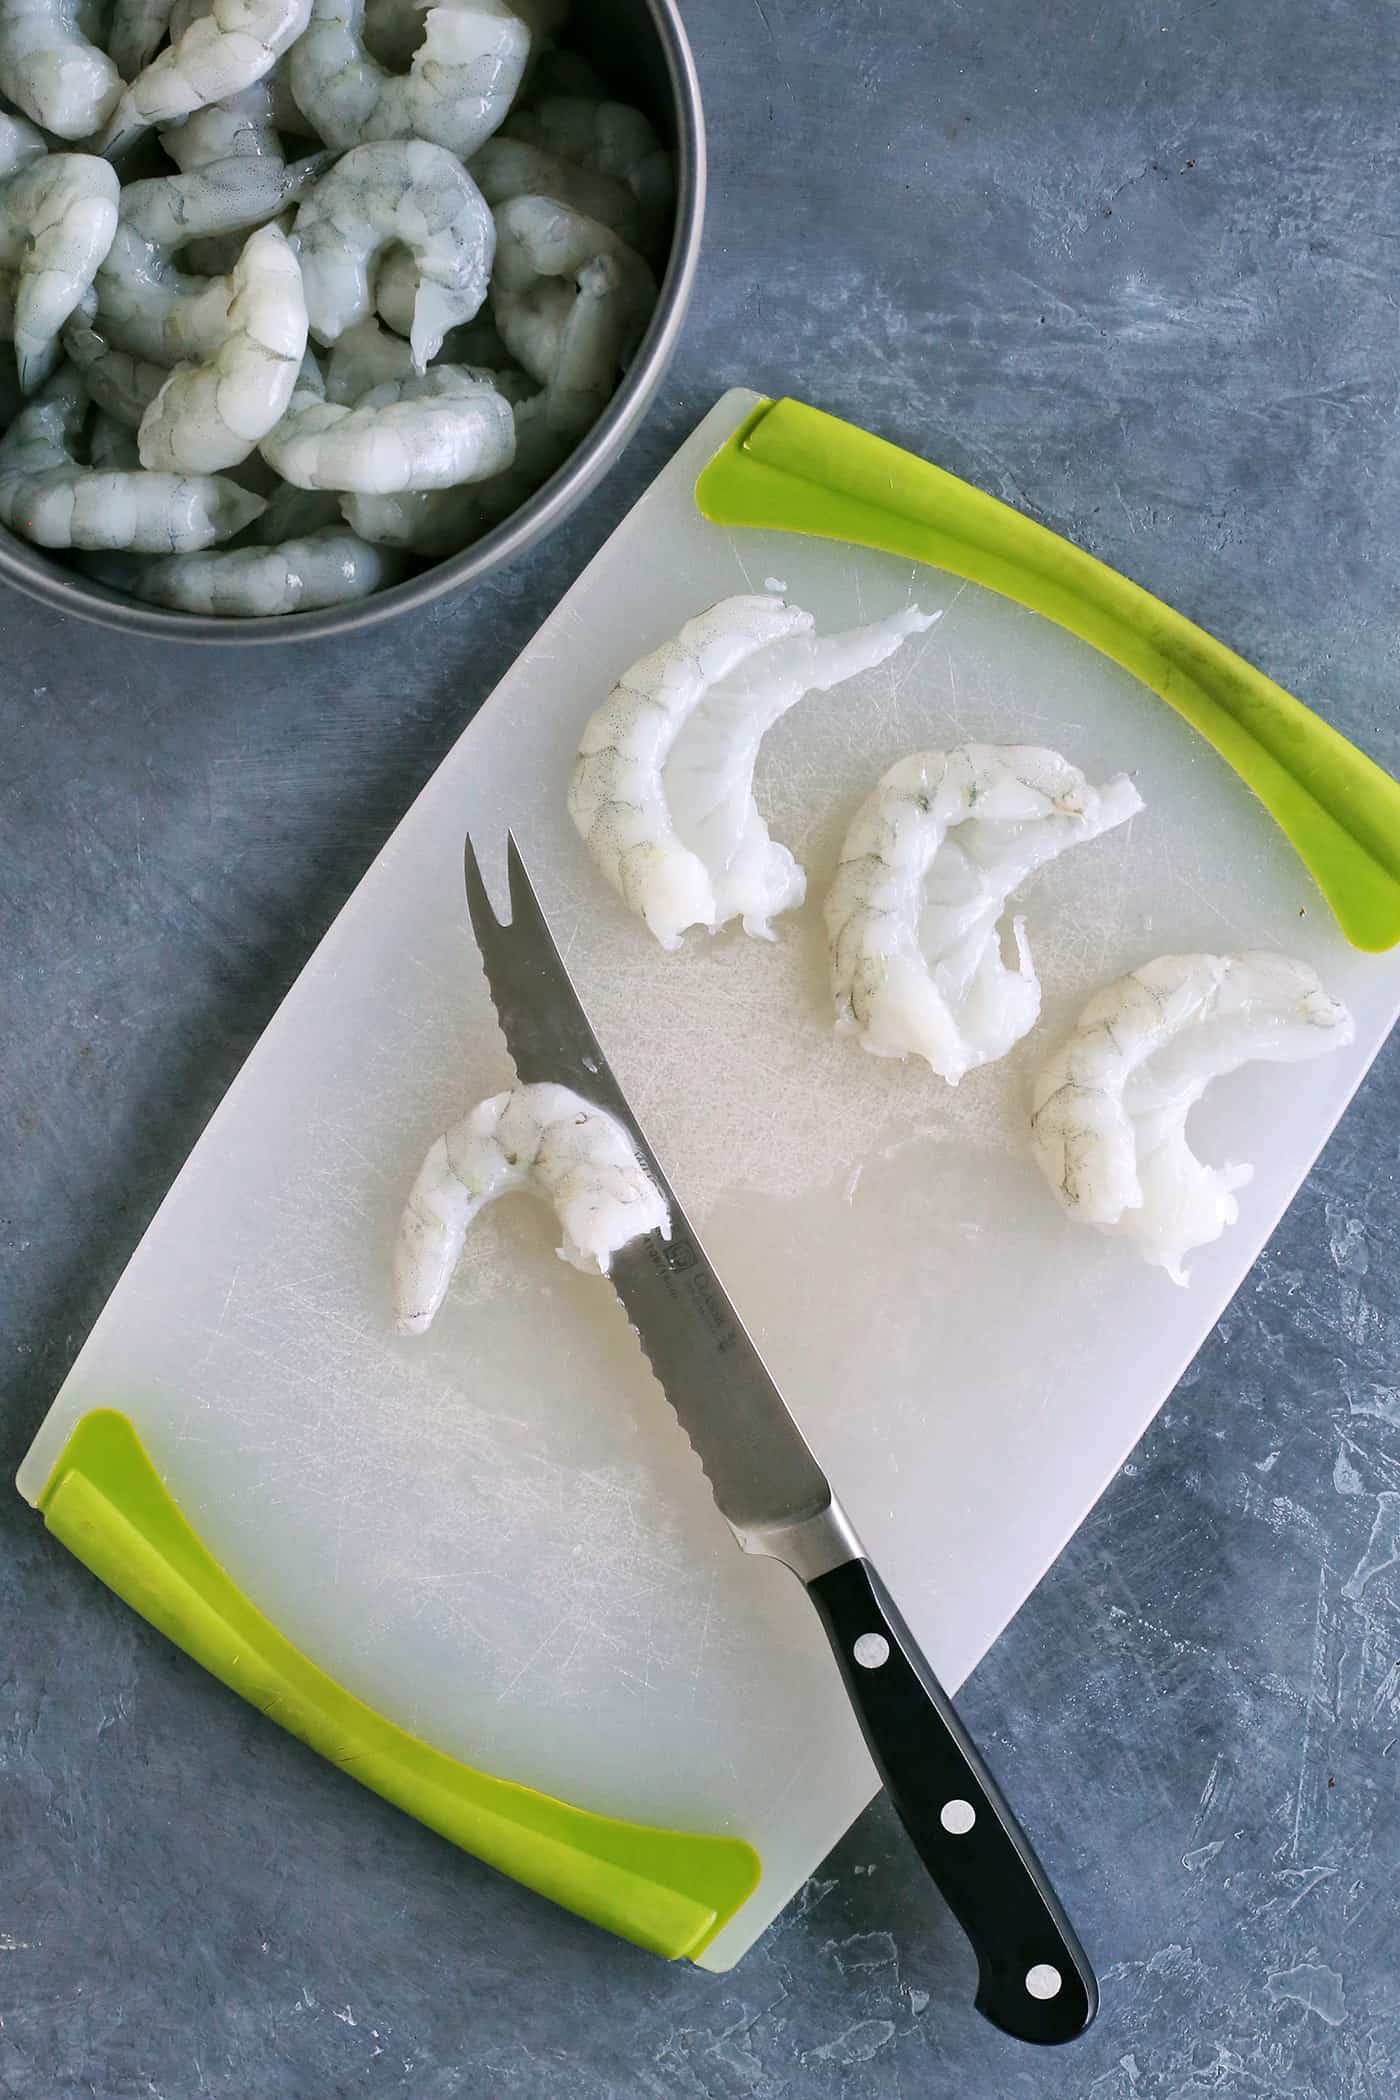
{"x": 1133, "y": 266}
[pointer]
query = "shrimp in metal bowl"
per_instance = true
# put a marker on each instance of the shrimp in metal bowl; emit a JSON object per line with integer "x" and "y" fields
{"x": 1108, "y": 1123}
{"x": 543, "y": 1138}
{"x": 662, "y": 789}
{"x": 913, "y": 916}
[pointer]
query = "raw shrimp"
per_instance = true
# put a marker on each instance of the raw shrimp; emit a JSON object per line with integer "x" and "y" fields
{"x": 1109, "y": 1108}
{"x": 51, "y": 70}
{"x": 48, "y": 497}
{"x": 217, "y": 55}
{"x": 120, "y": 384}
{"x": 398, "y": 191}
{"x": 459, "y": 86}
{"x": 914, "y": 912}
{"x": 662, "y": 790}
{"x": 21, "y": 144}
{"x": 241, "y": 124}
{"x": 428, "y": 432}
{"x": 364, "y": 357}
{"x": 329, "y": 567}
{"x": 568, "y": 291}
{"x": 507, "y": 167}
{"x": 138, "y": 31}
{"x": 212, "y": 415}
{"x": 57, "y": 220}
{"x": 147, "y": 304}
{"x": 441, "y": 521}
{"x": 543, "y": 1138}
{"x": 610, "y": 140}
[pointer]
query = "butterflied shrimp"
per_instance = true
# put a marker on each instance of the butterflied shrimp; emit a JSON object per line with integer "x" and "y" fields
{"x": 217, "y": 55}
{"x": 330, "y": 567}
{"x": 662, "y": 789}
{"x": 51, "y": 499}
{"x": 49, "y": 68}
{"x": 914, "y": 915}
{"x": 546, "y": 1139}
{"x": 460, "y": 82}
{"x": 397, "y": 192}
{"x": 150, "y": 306}
{"x": 242, "y": 124}
{"x": 1108, "y": 1126}
{"x": 551, "y": 260}
{"x": 428, "y": 432}
{"x": 121, "y": 385}
{"x": 609, "y": 140}
{"x": 57, "y": 220}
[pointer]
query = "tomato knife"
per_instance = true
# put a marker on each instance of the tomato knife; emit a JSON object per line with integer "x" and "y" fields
{"x": 1034, "y": 1979}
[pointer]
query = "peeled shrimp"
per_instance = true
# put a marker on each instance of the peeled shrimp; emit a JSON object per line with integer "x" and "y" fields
{"x": 441, "y": 521}
{"x": 547, "y": 1139}
{"x": 1110, "y": 1106}
{"x": 401, "y": 191}
{"x": 57, "y": 220}
{"x": 459, "y": 86}
{"x": 507, "y": 167}
{"x": 330, "y": 567}
{"x": 211, "y": 415}
{"x": 21, "y": 144}
{"x": 121, "y": 385}
{"x": 216, "y": 55}
{"x": 50, "y": 69}
{"x": 365, "y": 356}
{"x": 662, "y": 790}
{"x": 568, "y": 294}
{"x": 914, "y": 913}
{"x": 432, "y": 432}
{"x": 608, "y": 140}
{"x": 48, "y": 497}
{"x": 148, "y": 305}
{"x": 242, "y": 124}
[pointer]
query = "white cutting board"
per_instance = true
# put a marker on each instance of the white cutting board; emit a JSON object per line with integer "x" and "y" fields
{"x": 498, "y": 1534}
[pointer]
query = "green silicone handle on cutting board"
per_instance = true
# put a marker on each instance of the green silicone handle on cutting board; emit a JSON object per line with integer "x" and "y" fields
{"x": 669, "y": 1891}
{"x": 790, "y": 468}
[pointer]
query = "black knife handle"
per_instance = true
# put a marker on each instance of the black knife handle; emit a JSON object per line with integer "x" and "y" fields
{"x": 1034, "y": 1979}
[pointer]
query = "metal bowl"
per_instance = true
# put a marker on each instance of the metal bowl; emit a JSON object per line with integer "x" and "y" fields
{"x": 640, "y": 48}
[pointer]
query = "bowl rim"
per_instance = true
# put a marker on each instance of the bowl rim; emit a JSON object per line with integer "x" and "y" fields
{"x": 25, "y": 568}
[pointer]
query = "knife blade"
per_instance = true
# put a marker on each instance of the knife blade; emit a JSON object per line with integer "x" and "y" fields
{"x": 1034, "y": 1979}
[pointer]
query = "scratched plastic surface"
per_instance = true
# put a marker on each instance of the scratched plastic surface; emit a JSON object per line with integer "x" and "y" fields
{"x": 497, "y": 1533}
